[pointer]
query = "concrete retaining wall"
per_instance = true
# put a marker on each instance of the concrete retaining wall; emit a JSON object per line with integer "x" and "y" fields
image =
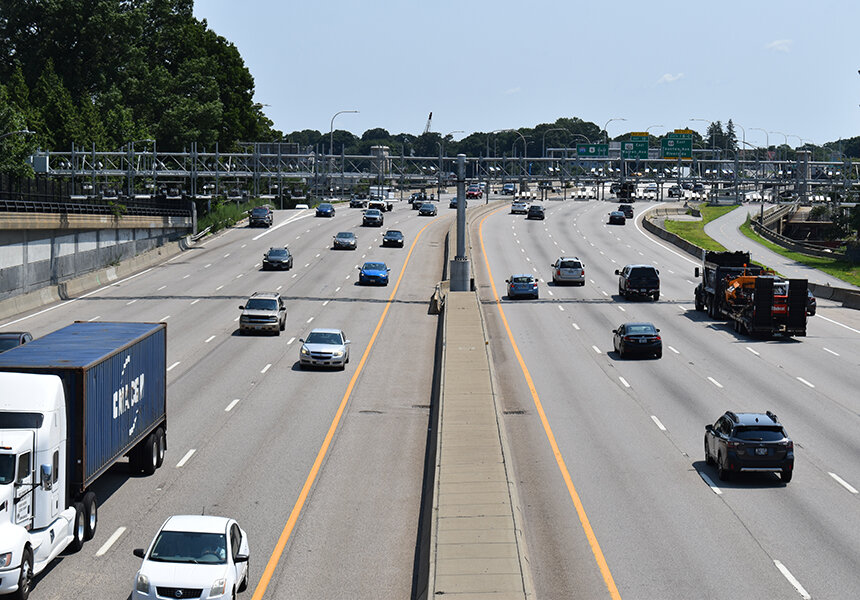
{"x": 689, "y": 248}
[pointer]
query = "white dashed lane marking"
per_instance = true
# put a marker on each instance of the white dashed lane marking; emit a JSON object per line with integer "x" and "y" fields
{"x": 623, "y": 382}
{"x": 110, "y": 541}
{"x": 658, "y": 423}
{"x": 266, "y": 368}
{"x": 831, "y": 351}
{"x": 186, "y": 458}
{"x": 95, "y": 318}
{"x": 791, "y": 579}
{"x": 805, "y": 382}
{"x": 843, "y": 483}
{"x": 596, "y": 349}
{"x": 173, "y": 366}
{"x": 232, "y": 405}
{"x": 209, "y": 339}
{"x": 715, "y": 382}
{"x": 753, "y": 351}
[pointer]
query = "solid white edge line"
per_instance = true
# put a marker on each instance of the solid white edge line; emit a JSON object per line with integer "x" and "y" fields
{"x": 266, "y": 368}
{"x": 657, "y": 422}
{"x": 623, "y": 382}
{"x": 794, "y": 582}
{"x": 804, "y": 382}
{"x": 715, "y": 382}
{"x": 232, "y": 405}
{"x": 110, "y": 541}
{"x": 176, "y": 364}
{"x": 96, "y": 291}
{"x": 710, "y": 483}
{"x": 837, "y": 323}
{"x": 843, "y": 483}
{"x": 186, "y": 458}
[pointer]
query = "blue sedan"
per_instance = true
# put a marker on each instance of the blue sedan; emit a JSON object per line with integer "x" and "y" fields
{"x": 325, "y": 210}
{"x": 522, "y": 285}
{"x": 373, "y": 272}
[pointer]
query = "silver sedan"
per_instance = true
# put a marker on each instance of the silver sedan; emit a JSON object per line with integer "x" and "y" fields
{"x": 324, "y": 348}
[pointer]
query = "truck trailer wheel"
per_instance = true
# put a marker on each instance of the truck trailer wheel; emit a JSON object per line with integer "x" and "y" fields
{"x": 25, "y": 577}
{"x": 91, "y": 515}
{"x": 149, "y": 455}
{"x": 161, "y": 440}
{"x": 79, "y": 528}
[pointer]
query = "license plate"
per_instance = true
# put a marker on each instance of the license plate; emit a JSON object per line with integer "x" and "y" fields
{"x": 761, "y": 451}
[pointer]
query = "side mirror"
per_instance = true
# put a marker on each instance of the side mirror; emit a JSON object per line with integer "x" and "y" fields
{"x": 658, "y": 331}
{"x": 709, "y": 427}
{"x": 47, "y": 472}
{"x": 507, "y": 280}
{"x": 347, "y": 342}
{"x": 657, "y": 271}
{"x": 696, "y": 272}
{"x": 616, "y": 272}
{"x": 241, "y": 308}
{"x": 302, "y": 340}
{"x": 388, "y": 269}
{"x": 139, "y": 552}
{"x": 614, "y": 331}
{"x": 241, "y": 558}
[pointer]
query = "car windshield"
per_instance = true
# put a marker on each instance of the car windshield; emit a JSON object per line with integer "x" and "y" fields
{"x": 393, "y": 234}
{"x": 522, "y": 279}
{"x": 760, "y": 433}
{"x": 374, "y": 266}
{"x": 427, "y": 206}
{"x": 641, "y": 329}
{"x": 260, "y": 212}
{"x": 345, "y": 235}
{"x": 325, "y": 206}
{"x": 7, "y": 468}
{"x": 570, "y": 264}
{"x": 277, "y": 252}
{"x": 372, "y": 213}
{"x": 324, "y": 337}
{"x": 190, "y": 547}
{"x": 262, "y": 304}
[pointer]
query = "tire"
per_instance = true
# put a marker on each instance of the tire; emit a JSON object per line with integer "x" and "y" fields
{"x": 785, "y": 475}
{"x": 656, "y": 296}
{"x": 25, "y": 577}
{"x": 161, "y": 440}
{"x": 708, "y": 460}
{"x": 620, "y": 351}
{"x": 91, "y": 515}
{"x": 149, "y": 455}
{"x": 699, "y": 305}
{"x": 244, "y": 584}
{"x": 658, "y": 354}
{"x": 722, "y": 472}
{"x": 79, "y": 528}
{"x": 283, "y": 325}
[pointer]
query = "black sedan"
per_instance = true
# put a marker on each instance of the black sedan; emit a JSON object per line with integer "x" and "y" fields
{"x": 345, "y": 240}
{"x": 325, "y": 210}
{"x": 393, "y": 237}
{"x": 278, "y": 258}
{"x": 427, "y": 210}
{"x": 637, "y": 338}
{"x": 13, "y": 339}
{"x": 616, "y": 217}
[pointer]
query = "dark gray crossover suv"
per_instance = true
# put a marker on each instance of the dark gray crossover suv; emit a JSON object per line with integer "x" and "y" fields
{"x": 740, "y": 442}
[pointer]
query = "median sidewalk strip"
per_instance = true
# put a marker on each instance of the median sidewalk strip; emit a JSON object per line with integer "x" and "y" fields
{"x": 477, "y": 542}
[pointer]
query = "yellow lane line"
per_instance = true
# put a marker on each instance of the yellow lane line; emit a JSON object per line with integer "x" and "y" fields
{"x": 574, "y": 496}
{"x": 306, "y": 488}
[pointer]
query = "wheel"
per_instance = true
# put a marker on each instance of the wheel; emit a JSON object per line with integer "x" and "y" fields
{"x": 91, "y": 515}
{"x": 149, "y": 455}
{"x": 25, "y": 577}
{"x": 620, "y": 351}
{"x": 161, "y": 440}
{"x": 244, "y": 584}
{"x": 708, "y": 459}
{"x": 785, "y": 475}
{"x": 80, "y": 528}
{"x": 656, "y": 296}
{"x": 283, "y": 324}
{"x": 722, "y": 472}
{"x": 699, "y": 304}
{"x": 658, "y": 354}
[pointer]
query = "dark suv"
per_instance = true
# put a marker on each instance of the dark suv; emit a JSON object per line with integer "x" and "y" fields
{"x": 749, "y": 442}
{"x": 260, "y": 216}
{"x": 535, "y": 212}
{"x": 638, "y": 280}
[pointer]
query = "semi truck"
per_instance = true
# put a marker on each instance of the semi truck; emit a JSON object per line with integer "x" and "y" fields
{"x": 754, "y": 299}
{"x": 72, "y": 404}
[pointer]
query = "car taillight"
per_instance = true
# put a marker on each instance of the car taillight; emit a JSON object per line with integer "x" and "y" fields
{"x": 628, "y": 338}
{"x": 583, "y": 272}
{"x": 789, "y": 445}
{"x": 558, "y": 271}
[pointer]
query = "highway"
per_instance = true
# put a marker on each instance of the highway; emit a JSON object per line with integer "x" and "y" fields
{"x": 324, "y": 469}
{"x": 247, "y": 430}
{"x": 609, "y": 454}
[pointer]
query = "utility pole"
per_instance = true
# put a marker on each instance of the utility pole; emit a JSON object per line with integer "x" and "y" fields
{"x": 459, "y": 267}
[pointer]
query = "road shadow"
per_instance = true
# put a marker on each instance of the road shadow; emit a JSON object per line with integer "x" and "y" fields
{"x": 740, "y": 481}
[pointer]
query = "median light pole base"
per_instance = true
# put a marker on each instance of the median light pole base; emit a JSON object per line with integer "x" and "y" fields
{"x": 459, "y": 269}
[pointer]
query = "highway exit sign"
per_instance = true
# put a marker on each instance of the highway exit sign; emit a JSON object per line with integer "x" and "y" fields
{"x": 634, "y": 150}
{"x": 592, "y": 150}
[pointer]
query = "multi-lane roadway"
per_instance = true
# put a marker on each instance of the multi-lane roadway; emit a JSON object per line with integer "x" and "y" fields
{"x": 324, "y": 469}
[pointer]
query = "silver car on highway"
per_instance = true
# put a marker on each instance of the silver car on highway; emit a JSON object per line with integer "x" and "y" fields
{"x": 324, "y": 348}
{"x": 568, "y": 269}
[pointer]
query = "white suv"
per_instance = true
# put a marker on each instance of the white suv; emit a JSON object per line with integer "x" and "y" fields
{"x": 568, "y": 270}
{"x": 264, "y": 311}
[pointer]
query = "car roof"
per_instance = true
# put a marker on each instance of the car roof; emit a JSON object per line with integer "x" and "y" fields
{"x": 633, "y": 266}
{"x": 754, "y": 419}
{"x": 196, "y": 523}
{"x": 523, "y": 275}
{"x": 265, "y": 295}
{"x": 344, "y": 234}
{"x": 639, "y": 324}
{"x": 324, "y": 330}
{"x": 374, "y": 262}
{"x": 395, "y": 231}
{"x": 569, "y": 258}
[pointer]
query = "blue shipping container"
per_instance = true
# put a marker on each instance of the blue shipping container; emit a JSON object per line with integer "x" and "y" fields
{"x": 115, "y": 380}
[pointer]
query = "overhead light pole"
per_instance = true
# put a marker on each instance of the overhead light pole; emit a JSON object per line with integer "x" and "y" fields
{"x": 17, "y": 132}
{"x": 331, "y": 132}
{"x": 543, "y": 144}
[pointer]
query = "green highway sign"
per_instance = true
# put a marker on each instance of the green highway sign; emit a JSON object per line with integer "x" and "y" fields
{"x": 634, "y": 150}
{"x": 677, "y": 145}
{"x": 592, "y": 150}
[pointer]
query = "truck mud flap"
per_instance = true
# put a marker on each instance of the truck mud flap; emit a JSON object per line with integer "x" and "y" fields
{"x": 797, "y": 297}
{"x": 763, "y": 305}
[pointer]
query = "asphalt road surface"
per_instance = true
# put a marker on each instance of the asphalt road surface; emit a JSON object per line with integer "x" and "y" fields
{"x": 247, "y": 430}
{"x": 617, "y": 499}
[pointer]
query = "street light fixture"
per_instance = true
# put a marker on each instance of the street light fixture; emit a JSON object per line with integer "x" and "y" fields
{"x": 607, "y": 125}
{"x": 543, "y": 145}
{"x": 19, "y": 131}
{"x": 784, "y": 137}
{"x": 331, "y": 130}
{"x": 647, "y": 129}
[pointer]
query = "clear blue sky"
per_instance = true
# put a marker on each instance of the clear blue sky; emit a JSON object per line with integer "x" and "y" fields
{"x": 480, "y": 65}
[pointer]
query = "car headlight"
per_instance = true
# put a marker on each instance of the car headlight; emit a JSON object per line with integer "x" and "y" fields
{"x": 142, "y": 583}
{"x": 217, "y": 588}
{"x": 5, "y": 559}
{"x": 305, "y": 351}
{"x": 337, "y": 353}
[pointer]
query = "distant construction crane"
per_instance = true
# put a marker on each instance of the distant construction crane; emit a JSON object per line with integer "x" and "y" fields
{"x": 429, "y": 119}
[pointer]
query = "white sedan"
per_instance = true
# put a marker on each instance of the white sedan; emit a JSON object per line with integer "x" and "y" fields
{"x": 194, "y": 556}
